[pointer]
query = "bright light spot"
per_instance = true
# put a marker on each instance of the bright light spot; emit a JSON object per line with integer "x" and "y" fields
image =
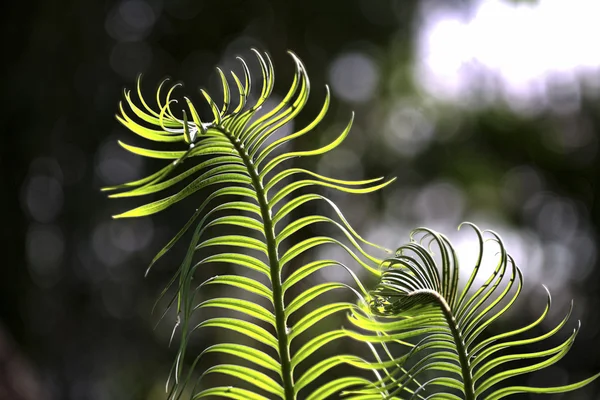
{"x": 573, "y": 135}
{"x": 354, "y": 77}
{"x": 45, "y": 248}
{"x": 408, "y": 130}
{"x": 440, "y": 203}
{"x": 131, "y": 236}
{"x": 43, "y": 198}
{"x": 137, "y": 14}
{"x": 114, "y": 165}
{"x": 559, "y": 265}
{"x": 516, "y": 50}
{"x": 103, "y": 245}
{"x": 555, "y": 217}
{"x": 519, "y": 185}
{"x": 131, "y": 21}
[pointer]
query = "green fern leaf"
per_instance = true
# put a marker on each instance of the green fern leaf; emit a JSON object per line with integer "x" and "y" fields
{"x": 240, "y": 162}
{"x": 418, "y": 305}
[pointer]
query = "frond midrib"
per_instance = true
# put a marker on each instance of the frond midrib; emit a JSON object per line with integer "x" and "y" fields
{"x": 274, "y": 266}
{"x": 457, "y": 336}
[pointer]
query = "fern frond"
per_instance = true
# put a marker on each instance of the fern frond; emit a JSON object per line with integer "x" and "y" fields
{"x": 239, "y": 161}
{"x": 419, "y": 304}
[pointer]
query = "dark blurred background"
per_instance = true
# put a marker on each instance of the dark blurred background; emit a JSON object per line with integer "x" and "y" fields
{"x": 487, "y": 111}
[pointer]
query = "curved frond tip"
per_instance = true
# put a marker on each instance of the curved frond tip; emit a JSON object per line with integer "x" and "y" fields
{"x": 420, "y": 304}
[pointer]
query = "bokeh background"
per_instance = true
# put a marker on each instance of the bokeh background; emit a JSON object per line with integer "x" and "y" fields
{"x": 485, "y": 110}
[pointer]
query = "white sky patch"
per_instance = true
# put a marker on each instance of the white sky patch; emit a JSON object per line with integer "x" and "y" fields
{"x": 512, "y": 49}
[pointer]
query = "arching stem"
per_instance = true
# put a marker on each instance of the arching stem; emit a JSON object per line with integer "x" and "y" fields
{"x": 275, "y": 268}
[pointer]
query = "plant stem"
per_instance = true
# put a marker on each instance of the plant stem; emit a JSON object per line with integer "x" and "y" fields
{"x": 460, "y": 348}
{"x": 275, "y": 268}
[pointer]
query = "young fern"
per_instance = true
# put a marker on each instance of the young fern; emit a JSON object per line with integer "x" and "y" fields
{"x": 418, "y": 304}
{"x": 239, "y": 161}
